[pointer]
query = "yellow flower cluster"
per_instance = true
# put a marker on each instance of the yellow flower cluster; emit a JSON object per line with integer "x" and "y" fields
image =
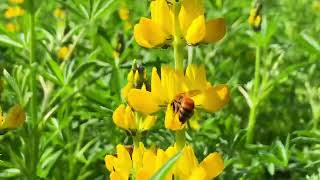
{"x": 12, "y": 12}
{"x": 124, "y": 15}
{"x": 124, "y": 116}
{"x": 255, "y": 18}
{"x": 180, "y": 92}
{"x": 141, "y": 164}
{"x": 14, "y": 119}
{"x": 175, "y": 84}
{"x": 159, "y": 30}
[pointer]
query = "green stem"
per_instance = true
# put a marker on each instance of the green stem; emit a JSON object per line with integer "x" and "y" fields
{"x": 136, "y": 139}
{"x": 33, "y": 133}
{"x": 178, "y": 44}
{"x": 255, "y": 99}
{"x": 180, "y": 139}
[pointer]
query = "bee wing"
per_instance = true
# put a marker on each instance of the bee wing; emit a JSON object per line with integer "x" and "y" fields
{"x": 193, "y": 93}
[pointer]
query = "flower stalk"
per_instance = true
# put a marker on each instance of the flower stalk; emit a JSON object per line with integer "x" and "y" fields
{"x": 178, "y": 45}
{"x": 255, "y": 98}
{"x": 178, "y": 48}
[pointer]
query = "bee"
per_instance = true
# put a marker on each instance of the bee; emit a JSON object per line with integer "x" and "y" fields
{"x": 184, "y": 105}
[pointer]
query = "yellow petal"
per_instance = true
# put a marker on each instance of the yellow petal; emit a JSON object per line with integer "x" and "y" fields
{"x": 161, "y": 15}
{"x": 118, "y": 116}
{"x": 156, "y": 87}
{"x": 149, "y": 34}
{"x": 213, "y": 165}
{"x": 137, "y": 156}
{"x": 109, "y": 161}
{"x": 215, "y": 30}
{"x": 172, "y": 119}
{"x": 198, "y": 174}
{"x": 196, "y": 77}
{"x": 123, "y": 163}
{"x": 214, "y": 98}
{"x": 142, "y": 101}
{"x": 143, "y": 174}
{"x": 148, "y": 122}
{"x": 116, "y": 176}
{"x": 187, "y": 163}
{"x": 196, "y": 31}
{"x": 190, "y": 10}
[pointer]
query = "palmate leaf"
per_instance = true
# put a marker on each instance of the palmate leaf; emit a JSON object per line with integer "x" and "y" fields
{"x": 164, "y": 170}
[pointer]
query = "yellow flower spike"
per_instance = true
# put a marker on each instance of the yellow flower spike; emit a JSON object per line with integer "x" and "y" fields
{"x": 213, "y": 165}
{"x": 12, "y": 12}
{"x": 16, "y": 1}
{"x": 149, "y": 34}
{"x": 175, "y": 90}
{"x": 124, "y": 118}
{"x": 14, "y": 119}
{"x": 215, "y": 30}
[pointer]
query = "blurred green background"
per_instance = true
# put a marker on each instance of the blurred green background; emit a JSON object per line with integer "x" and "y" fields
{"x": 76, "y": 95}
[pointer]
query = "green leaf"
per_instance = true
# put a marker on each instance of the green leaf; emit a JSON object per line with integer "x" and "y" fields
{"x": 9, "y": 173}
{"x": 81, "y": 69}
{"x": 164, "y": 170}
{"x": 6, "y": 40}
{"x": 56, "y": 70}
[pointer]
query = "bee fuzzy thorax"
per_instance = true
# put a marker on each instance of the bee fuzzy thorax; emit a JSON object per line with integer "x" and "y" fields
{"x": 184, "y": 105}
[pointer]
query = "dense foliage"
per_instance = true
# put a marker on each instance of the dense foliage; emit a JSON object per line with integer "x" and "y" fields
{"x": 66, "y": 61}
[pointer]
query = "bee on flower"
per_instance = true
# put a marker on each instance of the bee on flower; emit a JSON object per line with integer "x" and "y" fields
{"x": 12, "y": 12}
{"x": 255, "y": 17}
{"x": 179, "y": 93}
{"x": 160, "y": 29}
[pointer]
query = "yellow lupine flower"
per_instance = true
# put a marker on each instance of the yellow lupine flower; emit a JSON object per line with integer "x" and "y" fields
{"x": 143, "y": 163}
{"x": 158, "y": 30}
{"x": 14, "y": 119}
{"x": 11, "y": 27}
{"x": 125, "y": 118}
{"x": 12, "y": 12}
{"x": 173, "y": 83}
{"x": 63, "y": 52}
{"x": 59, "y": 13}
{"x": 16, "y": 1}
